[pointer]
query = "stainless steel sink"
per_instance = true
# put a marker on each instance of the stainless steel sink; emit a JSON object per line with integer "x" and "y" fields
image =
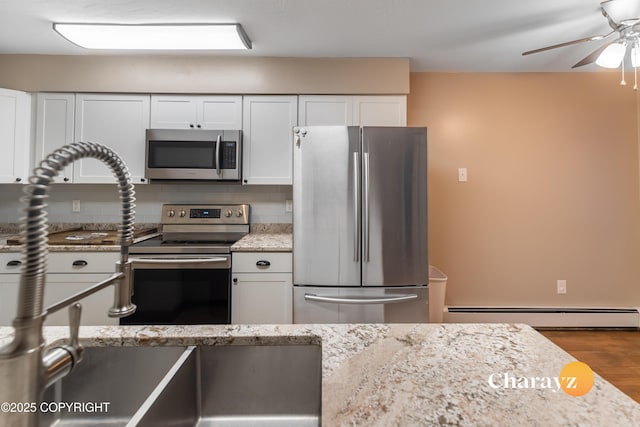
{"x": 233, "y": 385}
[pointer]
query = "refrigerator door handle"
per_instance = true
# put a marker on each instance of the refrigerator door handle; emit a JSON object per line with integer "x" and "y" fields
{"x": 365, "y": 184}
{"x": 356, "y": 209}
{"x": 340, "y": 300}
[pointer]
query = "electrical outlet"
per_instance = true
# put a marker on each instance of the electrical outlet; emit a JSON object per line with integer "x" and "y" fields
{"x": 288, "y": 206}
{"x": 75, "y": 206}
{"x": 562, "y": 287}
{"x": 462, "y": 174}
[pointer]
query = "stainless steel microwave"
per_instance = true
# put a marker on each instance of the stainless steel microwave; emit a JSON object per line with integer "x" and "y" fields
{"x": 193, "y": 154}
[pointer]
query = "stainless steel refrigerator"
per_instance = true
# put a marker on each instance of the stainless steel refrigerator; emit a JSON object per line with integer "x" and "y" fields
{"x": 360, "y": 225}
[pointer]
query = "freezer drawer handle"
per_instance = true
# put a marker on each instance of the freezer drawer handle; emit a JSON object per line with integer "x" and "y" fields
{"x": 379, "y": 300}
{"x": 263, "y": 263}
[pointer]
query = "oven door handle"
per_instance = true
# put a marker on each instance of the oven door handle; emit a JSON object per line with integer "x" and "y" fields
{"x": 178, "y": 260}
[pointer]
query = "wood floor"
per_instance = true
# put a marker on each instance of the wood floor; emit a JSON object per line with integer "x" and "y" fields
{"x": 613, "y": 354}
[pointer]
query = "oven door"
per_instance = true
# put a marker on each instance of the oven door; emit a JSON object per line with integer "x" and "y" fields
{"x": 181, "y": 290}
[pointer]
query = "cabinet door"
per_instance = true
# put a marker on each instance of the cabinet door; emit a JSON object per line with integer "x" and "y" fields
{"x": 267, "y": 137}
{"x": 58, "y": 287}
{"x": 173, "y": 112}
{"x": 15, "y": 109}
{"x": 54, "y": 127}
{"x": 196, "y": 112}
{"x": 220, "y": 112}
{"x": 117, "y": 121}
{"x": 321, "y": 110}
{"x": 94, "y": 307}
{"x": 380, "y": 110}
{"x": 9, "y": 284}
{"x": 261, "y": 298}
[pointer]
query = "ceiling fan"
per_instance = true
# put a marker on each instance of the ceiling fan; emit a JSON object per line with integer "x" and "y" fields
{"x": 622, "y": 18}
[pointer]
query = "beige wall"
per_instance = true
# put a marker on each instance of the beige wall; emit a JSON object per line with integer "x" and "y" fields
{"x": 204, "y": 74}
{"x": 553, "y": 190}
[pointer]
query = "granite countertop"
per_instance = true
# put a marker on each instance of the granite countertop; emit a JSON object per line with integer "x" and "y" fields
{"x": 262, "y": 238}
{"x": 11, "y": 231}
{"x": 411, "y": 374}
{"x": 266, "y": 238}
{"x": 264, "y": 242}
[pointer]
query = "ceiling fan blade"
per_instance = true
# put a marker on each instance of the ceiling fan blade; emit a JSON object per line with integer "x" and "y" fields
{"x": 585, "y": 39}
{"x": 592, "y": 56}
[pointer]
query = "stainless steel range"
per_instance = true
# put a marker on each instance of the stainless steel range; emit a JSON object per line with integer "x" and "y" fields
{"x": 183, "y": 276}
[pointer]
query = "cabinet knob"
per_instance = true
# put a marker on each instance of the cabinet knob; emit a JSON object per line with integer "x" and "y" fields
{"x": 191, "y": 125}
{"x": 235, "y": 280}
{"x": 80, "y": 263}
{"x": 143, "y": 179}
{"x": 18, "y": 179}
{"x": 263, "y": 263}
{"x": 65, "y": 179}
{"x": 199, "y": 126}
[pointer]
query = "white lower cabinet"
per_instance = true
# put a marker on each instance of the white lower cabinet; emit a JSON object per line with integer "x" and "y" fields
{"x": 261, "y": 289}
{"x": 67, "y": 274}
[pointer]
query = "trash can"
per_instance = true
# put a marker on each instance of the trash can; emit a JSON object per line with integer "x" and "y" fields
{"x": 437, "y": 290}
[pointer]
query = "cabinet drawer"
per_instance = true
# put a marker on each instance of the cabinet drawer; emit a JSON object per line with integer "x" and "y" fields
{"x": 10, "y": 262}
{"x": 82, "y": 262}
{"x": 58, "y": 262}
{"x": 261, "y": 262}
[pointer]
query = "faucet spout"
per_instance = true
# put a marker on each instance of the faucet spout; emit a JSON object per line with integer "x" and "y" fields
{"x": 22, "y": 371}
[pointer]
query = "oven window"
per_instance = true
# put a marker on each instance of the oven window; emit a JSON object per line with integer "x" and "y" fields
{"x": 181, "y": 297}
{"x": 182, "y": 154}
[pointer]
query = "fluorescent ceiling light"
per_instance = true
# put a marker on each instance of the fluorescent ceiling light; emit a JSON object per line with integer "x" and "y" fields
{"x": 155, "y": 36}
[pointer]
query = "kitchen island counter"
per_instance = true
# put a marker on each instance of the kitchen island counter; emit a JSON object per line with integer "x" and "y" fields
{"x": 412, "y": 374}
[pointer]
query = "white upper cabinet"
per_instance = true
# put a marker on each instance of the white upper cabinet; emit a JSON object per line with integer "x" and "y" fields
{"x": 15, "y": 124}
{"x": 196, "y": 112}
{"x": 267, "y": 136}
{"x": 117, "y": 121}
{"x": 54, "y": 127}
{"x": 321, "y": 110}
{"x": 346, "y": 110}
{"x": 380, "y": 110}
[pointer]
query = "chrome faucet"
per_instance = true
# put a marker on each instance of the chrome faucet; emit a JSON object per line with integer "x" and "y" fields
{"x": 26, "y": 369}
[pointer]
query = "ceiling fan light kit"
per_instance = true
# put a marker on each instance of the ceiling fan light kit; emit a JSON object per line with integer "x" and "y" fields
{"x": 612, "y": 56}
{"x": 622, "y": 17}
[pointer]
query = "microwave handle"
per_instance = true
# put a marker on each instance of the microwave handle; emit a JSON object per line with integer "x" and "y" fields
{"x": 218, "y": 144}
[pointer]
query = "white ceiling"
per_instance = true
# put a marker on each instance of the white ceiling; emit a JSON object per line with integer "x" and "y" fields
{"x": 437, "y": 35}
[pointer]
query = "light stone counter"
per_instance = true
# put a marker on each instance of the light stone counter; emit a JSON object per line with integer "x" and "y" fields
{"x": 266, "y": 238}
{"x": 414, "y": 374}
{"x": 11, "y": 231}
{"x": 264, "y": 242}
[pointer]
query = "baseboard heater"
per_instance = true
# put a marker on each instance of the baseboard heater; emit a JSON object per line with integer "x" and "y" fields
{"x": 550, "y": 317}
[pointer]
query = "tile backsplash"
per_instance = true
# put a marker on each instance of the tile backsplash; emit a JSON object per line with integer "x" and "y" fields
{"x": 99, "y": 202}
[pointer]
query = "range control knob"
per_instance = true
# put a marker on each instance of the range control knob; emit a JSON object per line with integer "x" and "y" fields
{"x": 228, "y": 213}
{"x": 239, "y": 213}
{"x": 171, "y": 213}
{"x": 183, "y": 214}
